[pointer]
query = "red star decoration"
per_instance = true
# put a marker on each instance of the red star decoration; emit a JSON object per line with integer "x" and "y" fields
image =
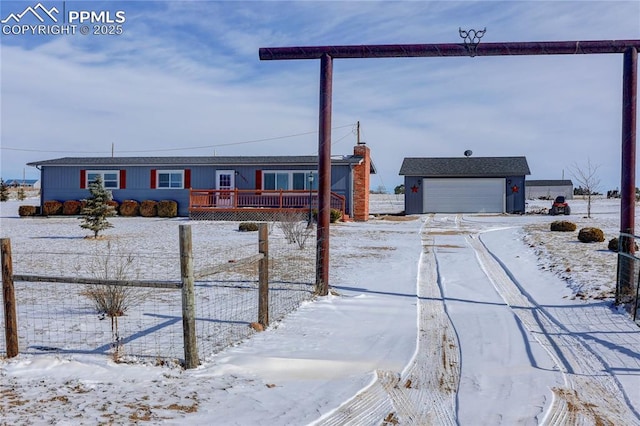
{"x": 514, "y": 188}
{"x": 414, "y": 188}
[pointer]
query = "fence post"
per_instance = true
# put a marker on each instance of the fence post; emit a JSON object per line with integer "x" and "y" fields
{"x": 9, "y": 299}
{"x": 263, "y": 275}
{"x": 188, "y": 299}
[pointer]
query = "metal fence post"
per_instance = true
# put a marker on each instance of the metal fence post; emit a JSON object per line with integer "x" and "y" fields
{"x": 263, "y": 275}
{"x": 188, "y": 299}
{"x": 9, "y": 299}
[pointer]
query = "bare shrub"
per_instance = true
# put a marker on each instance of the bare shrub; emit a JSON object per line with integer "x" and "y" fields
{"x": 149, "y": 208}
{"x": 113, "y": 301}
{"x": 167, "y": 208}
{"x": 51, "y": 208}
{"x": 591, "y": 235}
{"x": 71, "y": 207}
{"x": 295, "y": 230}
{"x": 27, "y": 210}
{"x": 114, "y": 204}
{"x": 563, "y": 226}
{"x": 129, "y": 208}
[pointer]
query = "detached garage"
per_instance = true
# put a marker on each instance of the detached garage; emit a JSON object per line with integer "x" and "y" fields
{"x": 465, "y": 185}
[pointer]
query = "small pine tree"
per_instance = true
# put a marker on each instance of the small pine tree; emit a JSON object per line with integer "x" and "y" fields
{"x": 97, "y": 209}
{"x": 21, "y": 193}
{"x": 4, "y": 190}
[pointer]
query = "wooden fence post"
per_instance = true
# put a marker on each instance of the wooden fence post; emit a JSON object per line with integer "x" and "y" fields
{"x": 188, "y": 299}
{"x": 263, "y": 275}
{"x": 9, "y": 299}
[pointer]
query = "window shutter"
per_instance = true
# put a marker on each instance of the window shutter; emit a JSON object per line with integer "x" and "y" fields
{"x": 83, "y": 179}
{"x": 258, "y": 179}
{"x": 153, "y": 179}
{"x": 187, "y": 178}
{"x": 123, "y": 179}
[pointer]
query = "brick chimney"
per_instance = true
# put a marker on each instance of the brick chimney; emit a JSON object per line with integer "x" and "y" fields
{"x": 361, "y": 180}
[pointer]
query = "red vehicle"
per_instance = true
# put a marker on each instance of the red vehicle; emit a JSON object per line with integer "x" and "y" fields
{"x": 560, "y": 206}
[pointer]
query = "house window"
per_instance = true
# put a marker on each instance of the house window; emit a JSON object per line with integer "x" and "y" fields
{"x": 285, "y": 180}
{"x": 110, "y": 178}
{"x": 171, "y": 179}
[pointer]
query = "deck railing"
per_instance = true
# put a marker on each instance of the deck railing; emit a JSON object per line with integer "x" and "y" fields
{"x": 225, "y": 199}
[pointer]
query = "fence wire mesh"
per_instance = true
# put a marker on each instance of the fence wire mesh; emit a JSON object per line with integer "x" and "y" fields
{"x": 628, "y": 283}
{"x": 63, "y": 317}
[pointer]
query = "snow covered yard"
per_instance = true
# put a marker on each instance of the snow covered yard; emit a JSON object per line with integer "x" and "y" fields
{"x": 445, "y": 319}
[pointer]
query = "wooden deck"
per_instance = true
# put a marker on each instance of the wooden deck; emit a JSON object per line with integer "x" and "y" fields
{"x": 243, "y": 202}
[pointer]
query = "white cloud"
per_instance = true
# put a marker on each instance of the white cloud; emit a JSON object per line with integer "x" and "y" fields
{"x": 187, "y": 74}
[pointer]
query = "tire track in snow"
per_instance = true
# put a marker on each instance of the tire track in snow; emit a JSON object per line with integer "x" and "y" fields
{"x": 587, "y": 398}
{"x": 425, "y": 392}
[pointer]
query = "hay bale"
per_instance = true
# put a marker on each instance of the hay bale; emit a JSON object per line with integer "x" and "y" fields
{"x": 129, "y": 208}
{"x": 71, "y": 207}
{"x": 149, "y": 208}
{"x": 167, "y": 208}
{"x": 52, "y": 207}
{"x": 27, "y": 210}
{"x": 591, "y": 235}
{"x": 613, "y": 245}
{"x": 248, "y": 227}
{"x": 563, "y": 226}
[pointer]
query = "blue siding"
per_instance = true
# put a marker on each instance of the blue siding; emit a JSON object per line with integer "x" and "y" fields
{"x": 515, "y": 202}
{"x": 413, "y": 197}
{"x": 62, "y": 183}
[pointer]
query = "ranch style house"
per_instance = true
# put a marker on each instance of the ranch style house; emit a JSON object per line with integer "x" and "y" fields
{"x": 216, "y": 188}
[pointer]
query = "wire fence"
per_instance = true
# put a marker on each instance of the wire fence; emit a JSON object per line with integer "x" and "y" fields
{"x": 628, "y": 281}
{"x": 65, "y": 317}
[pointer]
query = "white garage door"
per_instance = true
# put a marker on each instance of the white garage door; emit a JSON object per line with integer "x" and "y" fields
{"x": 485, "y": 195}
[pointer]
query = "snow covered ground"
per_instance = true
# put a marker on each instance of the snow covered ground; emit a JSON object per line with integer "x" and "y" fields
{"x": 443, "y": 319}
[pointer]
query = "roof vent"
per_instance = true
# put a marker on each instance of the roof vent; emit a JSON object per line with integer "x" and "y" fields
{"x": 468, "y": 153}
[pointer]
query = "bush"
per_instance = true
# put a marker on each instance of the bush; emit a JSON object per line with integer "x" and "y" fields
{"x": 334, "y": 216}
{"x": 591, "y": 235}
{"x": 114, "y": 204}
{"x": 613, "y": 245}
{"x": 71, "y": 207}
{"x": 167, "y": 208}
{"x": 52, "y": 207}
{"x": 248, "y": 227}
{"x": 27, "y": 210}
{"x": 129, "y": 208}
{"x": 149, "y": 208}
{"x": 563, "y": 226}
{"x": 295, "y": 230}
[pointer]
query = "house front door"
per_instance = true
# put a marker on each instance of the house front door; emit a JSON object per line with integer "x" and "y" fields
{"x": 225, "y": 184}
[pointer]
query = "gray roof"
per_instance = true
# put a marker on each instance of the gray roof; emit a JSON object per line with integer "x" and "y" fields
{"x": 307, "y": 160}
{"x": 465, "y": 167}
{"x": 549, "y": 182}
{"x": 20, "y": 181}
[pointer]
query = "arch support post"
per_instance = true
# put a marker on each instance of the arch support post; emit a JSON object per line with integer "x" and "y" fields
{"x": 324, "y": 176}
{"x": 628, "y": 180}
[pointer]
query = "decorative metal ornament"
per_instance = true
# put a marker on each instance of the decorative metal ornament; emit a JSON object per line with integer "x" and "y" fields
{"x": 472, "y": 39}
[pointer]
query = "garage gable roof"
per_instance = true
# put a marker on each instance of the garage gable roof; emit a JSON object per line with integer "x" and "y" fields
{"x": 465, "y": 167}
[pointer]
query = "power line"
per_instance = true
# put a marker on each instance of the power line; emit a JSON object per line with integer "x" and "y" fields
{"x": 177, "y": 149}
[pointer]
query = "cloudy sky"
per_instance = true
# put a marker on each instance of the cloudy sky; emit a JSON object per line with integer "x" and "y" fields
{"x": 184, "y": 78}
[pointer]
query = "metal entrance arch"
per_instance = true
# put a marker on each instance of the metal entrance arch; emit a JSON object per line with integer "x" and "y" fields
{"x": 326, "y": 54}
